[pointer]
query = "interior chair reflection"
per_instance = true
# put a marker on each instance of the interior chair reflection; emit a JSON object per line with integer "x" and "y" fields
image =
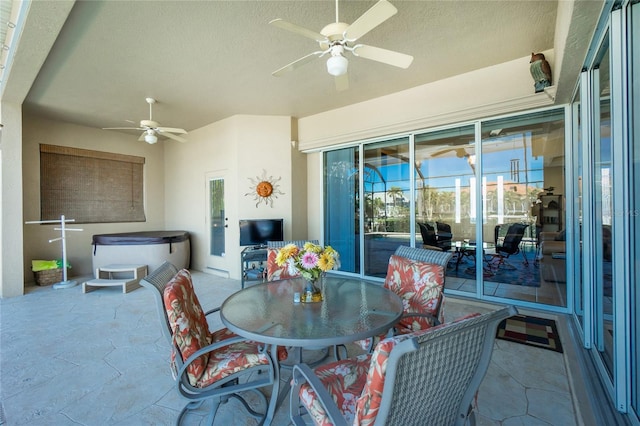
{"x": 508, "y": 245}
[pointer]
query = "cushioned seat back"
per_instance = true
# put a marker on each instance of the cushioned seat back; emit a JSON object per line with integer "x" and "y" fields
{"x": 420, "y": 286}
{"x": 156, "y": 281}
{"x": 444, "y": 235}
{"x": 429, "y": 377}
{"x": 512, "y": 240}
{"x": 188, "y": 323}
{"x": 424, "y": 255}
{"x": 428, "y": 234}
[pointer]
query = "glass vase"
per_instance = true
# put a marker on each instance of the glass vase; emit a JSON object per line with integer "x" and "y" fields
{"x": 312, "y": 291}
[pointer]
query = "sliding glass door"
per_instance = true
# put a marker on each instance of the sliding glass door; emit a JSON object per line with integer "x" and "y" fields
{"x": 444, "y": 200}
{"x": 490, "y": 192}
{"x": 385, "y": 186}
{"x": 341, "y": 206}
{"x": 603, "y": 214}
{"x": 524, "y": 207}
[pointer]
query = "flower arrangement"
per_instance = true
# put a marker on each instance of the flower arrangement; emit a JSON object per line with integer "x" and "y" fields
{"x": 310, "y": 261}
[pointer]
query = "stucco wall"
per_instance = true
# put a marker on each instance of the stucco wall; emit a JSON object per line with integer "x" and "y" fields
{"x": 176, "y": 177}
{"x": 236, "y": 149}
{"x": 499, "y": 89}
{"x": 11, "y": 275}
{"x": 38, "y": 131}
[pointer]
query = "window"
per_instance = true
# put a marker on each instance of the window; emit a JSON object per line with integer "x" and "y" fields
{"x": 90, "y": 186}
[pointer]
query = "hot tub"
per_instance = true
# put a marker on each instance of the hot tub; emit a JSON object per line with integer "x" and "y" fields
{"x": 151, "y": 248}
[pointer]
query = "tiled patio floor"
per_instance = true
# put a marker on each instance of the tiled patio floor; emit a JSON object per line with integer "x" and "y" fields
{"x": 69, "y": 358}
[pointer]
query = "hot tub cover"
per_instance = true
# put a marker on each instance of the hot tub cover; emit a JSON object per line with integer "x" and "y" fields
{"x": 140, "y": 238}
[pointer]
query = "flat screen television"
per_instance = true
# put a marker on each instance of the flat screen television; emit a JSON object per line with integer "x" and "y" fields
{"x": 256, "y": 232}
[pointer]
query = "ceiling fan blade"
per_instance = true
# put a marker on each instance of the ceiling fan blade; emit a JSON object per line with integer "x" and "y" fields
{"x": 141, "y": 138}
{"x": 170, "y": 129}
{"x": 342, "y": 82}
{"x": 172, "y": 136}
{"x": 297, "y": 29}
{"x": 389, "y": 57}
{"x": 122, "y": 128}
{"x": 297, "y": 63}
{"x": 373, "y": 17}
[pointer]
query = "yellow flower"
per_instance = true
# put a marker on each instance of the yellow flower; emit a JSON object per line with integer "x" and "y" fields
{"x": 286, "y": 252}
{"x": 312, "y": 248}
{"x": 326, "y": 261}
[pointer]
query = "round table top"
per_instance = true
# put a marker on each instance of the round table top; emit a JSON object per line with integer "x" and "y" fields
{"x": 352, "y": 310}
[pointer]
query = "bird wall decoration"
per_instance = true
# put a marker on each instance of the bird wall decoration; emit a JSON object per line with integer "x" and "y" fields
{"x": 540, "y": 71}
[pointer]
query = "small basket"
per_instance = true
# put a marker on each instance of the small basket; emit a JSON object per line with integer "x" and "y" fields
{"x": 48, "y": 276}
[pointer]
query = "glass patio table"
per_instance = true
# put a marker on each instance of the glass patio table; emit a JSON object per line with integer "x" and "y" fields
{"x": 469, "y": 248}
{"x": 352, "y": 310}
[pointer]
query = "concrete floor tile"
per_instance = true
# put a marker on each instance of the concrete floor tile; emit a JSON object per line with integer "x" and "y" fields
{"x": 502, "y": 397}
{"x": 526, "y": 421}
{"x": 551, "y": 407}
{"x": 101, "y": 359}
{"x": 48, "y": 398}
{"x": 531, "y": 367}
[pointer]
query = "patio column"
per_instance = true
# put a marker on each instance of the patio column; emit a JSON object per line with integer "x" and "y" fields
{"x": 11, "y": 226}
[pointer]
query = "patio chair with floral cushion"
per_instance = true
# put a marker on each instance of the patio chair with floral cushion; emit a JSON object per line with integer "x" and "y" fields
{"x": 429, "y": 377}
{"x": 208, "y": 365}
{"x": 417, "y": 275}
{"x": 275, "y": 272}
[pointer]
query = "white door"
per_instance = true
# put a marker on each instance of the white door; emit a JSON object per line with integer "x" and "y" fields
{"x": 217, "y": 224}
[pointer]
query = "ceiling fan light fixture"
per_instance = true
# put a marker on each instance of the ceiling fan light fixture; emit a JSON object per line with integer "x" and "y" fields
{"x": 150, "y": 138}
{"x": 337, "y": 65}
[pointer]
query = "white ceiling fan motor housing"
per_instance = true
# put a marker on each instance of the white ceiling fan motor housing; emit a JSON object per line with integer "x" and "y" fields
{"x": 337, "y": 64}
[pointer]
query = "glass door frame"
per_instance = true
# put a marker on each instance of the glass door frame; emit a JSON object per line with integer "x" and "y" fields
{"x": 622, "y": 194}
{"x": 614, "y": 37}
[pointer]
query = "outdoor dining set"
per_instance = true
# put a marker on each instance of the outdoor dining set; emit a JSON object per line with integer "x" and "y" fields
{"x": 403, "y": 344}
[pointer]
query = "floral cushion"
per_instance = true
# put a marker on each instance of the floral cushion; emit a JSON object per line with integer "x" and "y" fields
{"x": 188, "y": 322}
{"x": 344, "y": 380}
{"x": 421, "y": 286}
{"x": 231, "y": 359}
{"x": 191, "y": 333}
{"x": 275, "y": 272}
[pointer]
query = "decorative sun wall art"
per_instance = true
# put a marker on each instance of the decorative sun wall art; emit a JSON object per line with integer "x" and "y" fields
{"x": 264, "y": 189}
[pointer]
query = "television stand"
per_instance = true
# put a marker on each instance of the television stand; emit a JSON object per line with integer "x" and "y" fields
{"x": 253, "y": 264}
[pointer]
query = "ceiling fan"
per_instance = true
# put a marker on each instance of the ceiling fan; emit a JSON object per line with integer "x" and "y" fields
{"x": 150, "y": 129}
{"x": 338, "y": 38}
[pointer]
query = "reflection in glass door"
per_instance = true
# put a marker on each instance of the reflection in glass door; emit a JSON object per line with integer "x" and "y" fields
{"x": 523, "y": 208}
{"x": 341, "y": 205}
{"x": 444, "y": 199}
{"x": 603, "y": 216}
{"x": 576, "y": 224}
{"x": 386, "y": 184}
{"x": 217, "y": 219}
